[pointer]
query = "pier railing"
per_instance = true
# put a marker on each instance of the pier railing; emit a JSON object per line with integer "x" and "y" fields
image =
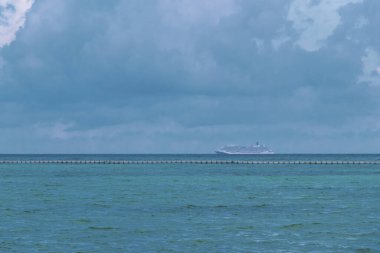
{"x": 254, "y": 162}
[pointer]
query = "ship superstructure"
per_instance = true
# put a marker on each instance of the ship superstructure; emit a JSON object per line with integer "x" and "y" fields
{"x": 256, "y": 149}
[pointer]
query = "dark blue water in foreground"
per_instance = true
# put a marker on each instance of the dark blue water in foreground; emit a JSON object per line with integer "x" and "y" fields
{"x": 189, "y": 208}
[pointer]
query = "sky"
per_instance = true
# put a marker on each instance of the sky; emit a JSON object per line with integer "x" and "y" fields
{"x": 189, "y": 76}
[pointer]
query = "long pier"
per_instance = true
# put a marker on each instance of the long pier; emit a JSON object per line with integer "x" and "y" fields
{"x": 253, "y": 162}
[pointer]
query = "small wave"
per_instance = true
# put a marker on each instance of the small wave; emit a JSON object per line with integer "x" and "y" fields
{"x": 101, "y": 228}
{"x": 206, "y": 207}
{"x": 246, "y": 228}
{"x": 191, "y": 206}
{"x": 84, "y": 220}
{"x": 101, "y": 205}
{"x": 53, "y": 185}
{"x": 364, "y": 250}
{"x": 261, "y": 205}
{"x": 32, "y": 211}
{"x": 200, "y": 241}
{"x": 142, "y": 231}
{"x": 292, "y": 226}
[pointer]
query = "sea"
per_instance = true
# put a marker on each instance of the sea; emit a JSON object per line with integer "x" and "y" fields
{"x": 190, "y": 207}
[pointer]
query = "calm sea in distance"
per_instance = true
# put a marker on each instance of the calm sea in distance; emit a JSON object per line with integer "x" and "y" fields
{"x": 189, "y": 207}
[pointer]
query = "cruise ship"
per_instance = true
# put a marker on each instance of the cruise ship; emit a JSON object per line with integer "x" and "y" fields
{"x": 257, "y": 149}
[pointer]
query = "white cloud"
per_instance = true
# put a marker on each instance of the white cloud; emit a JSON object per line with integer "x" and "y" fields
{"x": 57, "y": 130}
{"x": 371, "y": 68}
{"x": 12, "y": 18}
{"x": 279, "y": 41}
{"x": 192, "y": 12}
{"x": 259, "y": 44}
{"x": 315, "y": 21}
{"x": 361, "y": 22}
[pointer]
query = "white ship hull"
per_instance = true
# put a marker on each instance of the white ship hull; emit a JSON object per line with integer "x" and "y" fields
{"x": 221, "y": 152}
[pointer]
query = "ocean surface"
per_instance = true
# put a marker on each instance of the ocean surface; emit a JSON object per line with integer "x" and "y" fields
{"x": 189, "y": 207}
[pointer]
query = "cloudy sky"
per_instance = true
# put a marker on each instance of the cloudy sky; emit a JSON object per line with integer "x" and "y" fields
{"x": 187, "y": 76}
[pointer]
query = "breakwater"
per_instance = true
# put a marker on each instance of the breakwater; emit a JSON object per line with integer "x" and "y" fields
{"x": 254, "y": 162}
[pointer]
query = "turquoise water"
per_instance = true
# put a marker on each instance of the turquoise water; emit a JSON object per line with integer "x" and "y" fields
{"x": 190, "y": 208}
